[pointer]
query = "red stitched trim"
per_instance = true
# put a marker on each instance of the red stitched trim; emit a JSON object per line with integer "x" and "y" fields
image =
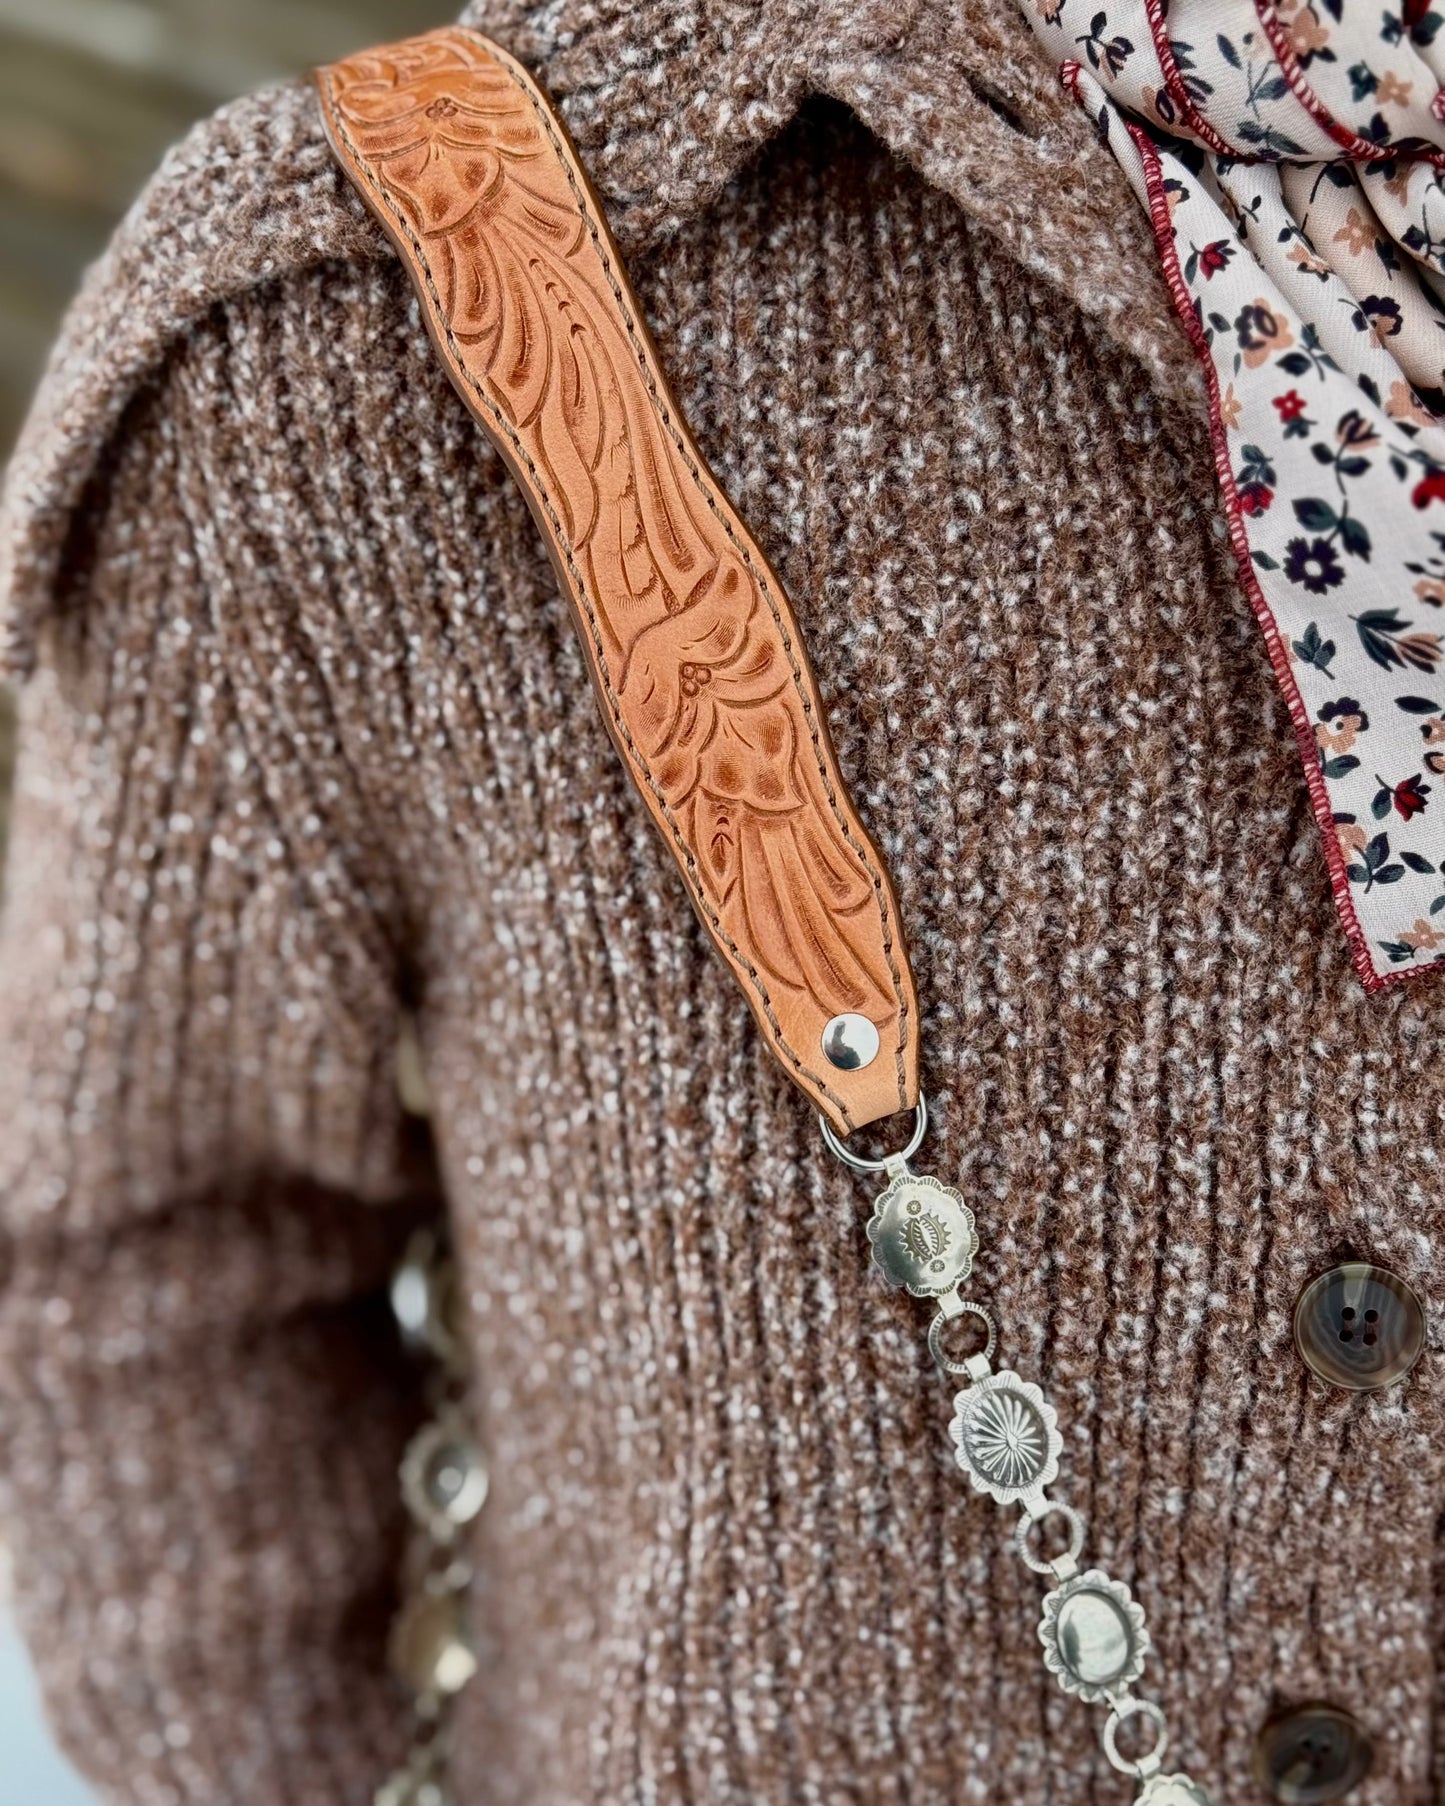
{"x": 1372, "y": 979}
{"x": 1174, "y": 82}
{"x": 1290, "y": 69}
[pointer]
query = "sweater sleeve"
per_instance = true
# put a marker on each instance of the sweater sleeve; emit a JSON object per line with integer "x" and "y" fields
{"x": 204, "y": 1171}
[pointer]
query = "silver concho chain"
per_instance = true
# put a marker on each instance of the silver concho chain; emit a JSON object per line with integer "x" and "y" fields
{"x": 1006, "y": 1441}
{"x": 444, "y": 1484}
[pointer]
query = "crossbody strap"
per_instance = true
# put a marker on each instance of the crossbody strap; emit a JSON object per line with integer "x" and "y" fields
{"x": 699, "y": 668}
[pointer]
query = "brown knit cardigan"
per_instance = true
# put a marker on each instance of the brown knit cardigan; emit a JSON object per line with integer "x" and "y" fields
{"x": 308, "y": 743}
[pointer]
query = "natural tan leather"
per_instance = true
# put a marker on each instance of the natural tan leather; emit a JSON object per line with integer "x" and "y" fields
{"x": 698, "y": 664}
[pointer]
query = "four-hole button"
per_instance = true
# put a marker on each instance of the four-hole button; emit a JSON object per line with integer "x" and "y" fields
{"x": 1359, "y": 1327}
{"x": 1311, "y": 1754}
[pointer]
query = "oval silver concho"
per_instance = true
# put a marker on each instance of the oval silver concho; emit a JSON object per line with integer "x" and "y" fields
{"x": 1173, "y": 1790}
{"x": 1006, "y": 1437}
{"x": 922, "y": 1235}
{"x": 1093, "y": 1636}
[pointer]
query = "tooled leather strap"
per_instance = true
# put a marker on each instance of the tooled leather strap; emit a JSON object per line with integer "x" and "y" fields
{"x": 698, "y": 664}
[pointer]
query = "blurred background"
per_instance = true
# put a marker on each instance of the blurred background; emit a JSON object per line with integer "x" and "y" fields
{"x": 91, "y": 93}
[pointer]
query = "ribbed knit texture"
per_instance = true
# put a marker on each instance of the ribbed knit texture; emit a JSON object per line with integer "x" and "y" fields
{"x": 310, "y": 739}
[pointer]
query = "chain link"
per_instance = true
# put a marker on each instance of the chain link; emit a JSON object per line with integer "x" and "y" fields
{"x": 444, "y": 1484}
{"x": 1007, "y": 1444}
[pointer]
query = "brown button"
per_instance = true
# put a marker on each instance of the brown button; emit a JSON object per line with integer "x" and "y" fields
{"x": 1359, "y": 1327}
{"x": 1311, "y": 1754}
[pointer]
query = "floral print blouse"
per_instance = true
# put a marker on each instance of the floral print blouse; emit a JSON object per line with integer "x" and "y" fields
{"x": 1290, "y": 160}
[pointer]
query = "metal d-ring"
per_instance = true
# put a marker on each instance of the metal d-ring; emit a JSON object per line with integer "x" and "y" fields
{"x": 860, "y": 1164}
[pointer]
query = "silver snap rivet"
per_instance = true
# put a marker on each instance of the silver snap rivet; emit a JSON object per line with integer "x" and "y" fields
{"x": 850, "y": 1042}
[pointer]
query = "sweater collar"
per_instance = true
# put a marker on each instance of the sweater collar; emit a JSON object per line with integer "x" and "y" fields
{"x": 667, "y": 101}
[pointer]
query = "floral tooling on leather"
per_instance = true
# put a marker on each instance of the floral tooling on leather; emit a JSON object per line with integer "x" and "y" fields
{"x": 698, "y": 662}
{"x": 1290, "y": 159}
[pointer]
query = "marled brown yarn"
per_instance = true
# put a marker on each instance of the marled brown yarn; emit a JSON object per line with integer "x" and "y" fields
{"x": 310, "y": 733}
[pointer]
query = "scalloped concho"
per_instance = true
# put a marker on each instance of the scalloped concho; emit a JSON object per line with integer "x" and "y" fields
{"x": 698, "y": 664}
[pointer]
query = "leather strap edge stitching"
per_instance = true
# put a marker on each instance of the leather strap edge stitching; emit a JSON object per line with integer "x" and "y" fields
{"x": 614, "y": 705}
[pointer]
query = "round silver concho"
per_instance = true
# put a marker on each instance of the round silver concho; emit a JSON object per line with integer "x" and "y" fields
{"x": 1006, "y": 1438}
{"x": 1093, "y": 1636}
{"x": 922, "y": 1235}
{"x": 1173, "y": 1790}
{"x": 443, "y": 1477}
